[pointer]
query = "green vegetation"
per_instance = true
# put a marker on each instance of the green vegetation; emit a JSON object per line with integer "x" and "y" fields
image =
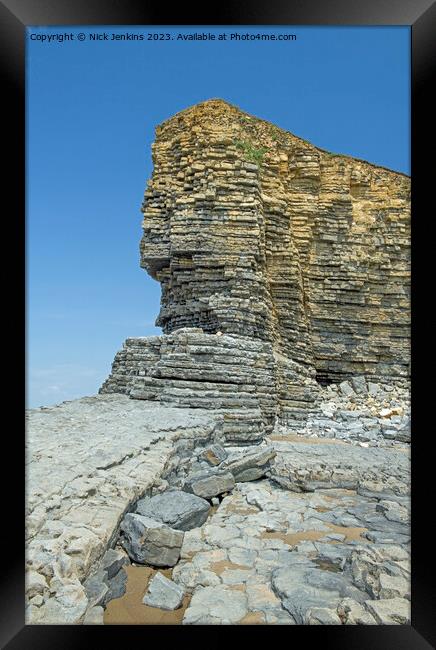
{"x": 251, "y": 153}
{"x": 273, "y": 132}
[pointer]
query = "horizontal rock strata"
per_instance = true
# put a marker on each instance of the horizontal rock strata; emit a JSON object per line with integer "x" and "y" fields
{"x": 191, "y": 369}
{"x": 230, "y": 373}
{"x": 279, "y": 263}
{"x": 250, "y": 229}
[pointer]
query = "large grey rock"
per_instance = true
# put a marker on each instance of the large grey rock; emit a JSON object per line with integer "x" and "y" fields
{"x": 113, "y": 560}
{"x": 177, "y": 509}
{"x": 209, "y": 484}
{"x": 250, "y": 466}
{"x": 333, "y": 555}
{"x": 394, "y": 511}
{"x": 100, "y": 588}
{"x": 163, "y": 593}
{"x": 365, "y": 565}
{"x": 359, "y": 384}
{"x": 346, "y": 389}
{"x": 373, "y": 389}
{"x": 214, "y": 454}
{"x": 387, "y": 537}
{"x": 150, "y": 542}
{"x": 117, "y": 586}
{"x": 96, "y": 588}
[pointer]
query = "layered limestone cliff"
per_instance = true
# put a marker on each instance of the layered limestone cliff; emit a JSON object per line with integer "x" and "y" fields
{"x": 299, "y": 257}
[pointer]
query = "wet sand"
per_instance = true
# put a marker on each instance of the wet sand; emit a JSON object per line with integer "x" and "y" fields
{"x": 240, "y": 509}
{"x": 333, "y": 493}
{"x": 350, "y": 533}
{"x": 130, "y": 610}
{"x": 222, "y": 565}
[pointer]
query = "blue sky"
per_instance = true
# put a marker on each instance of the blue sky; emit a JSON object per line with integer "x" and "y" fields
{"x": 92, "y": 108}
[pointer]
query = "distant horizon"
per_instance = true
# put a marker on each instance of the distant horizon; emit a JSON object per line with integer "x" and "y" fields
{"x": 92, "y": 110}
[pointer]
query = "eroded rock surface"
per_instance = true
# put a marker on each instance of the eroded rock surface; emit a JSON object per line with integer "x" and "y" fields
{"x": 322, "y": 530}
{"x": 325, "y": 557}
{"x": 88, "y": 461}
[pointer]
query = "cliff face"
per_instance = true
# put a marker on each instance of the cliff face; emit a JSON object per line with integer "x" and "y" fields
{"x": 255, "y": 232}
{"x": 280, "y": 264}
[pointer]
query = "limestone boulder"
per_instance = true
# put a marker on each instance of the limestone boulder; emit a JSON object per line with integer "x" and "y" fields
{"x": 148, "y": 541}
{"x": 163, "y": 593}
{"x": 250, "y": 466}
{"x": 209, "y": 484}
{"x": 113, "y": 560}
{"x": 176, "y": 508}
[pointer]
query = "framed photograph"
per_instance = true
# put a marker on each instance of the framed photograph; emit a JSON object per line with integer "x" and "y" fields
{"x": 221, "y": 374}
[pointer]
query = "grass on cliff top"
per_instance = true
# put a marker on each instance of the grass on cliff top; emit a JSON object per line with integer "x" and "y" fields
{"x": 251, "y": 153}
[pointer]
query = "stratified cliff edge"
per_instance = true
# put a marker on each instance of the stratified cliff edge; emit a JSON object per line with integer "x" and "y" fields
{"x": 258, "y": 235}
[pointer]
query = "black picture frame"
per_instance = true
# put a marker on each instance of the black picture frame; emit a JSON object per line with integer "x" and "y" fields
{"x": 420, "y": 15}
